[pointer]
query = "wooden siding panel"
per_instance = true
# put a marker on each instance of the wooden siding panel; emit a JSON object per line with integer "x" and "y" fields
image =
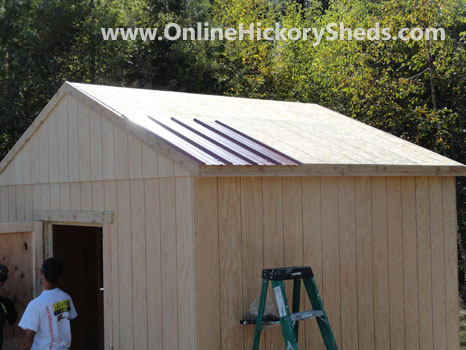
{"x": 207, "y": 264}
{"x": 169, "y": 267}
{"x": 252, "y": 246}
{"x": 274, "y": 255}
{"x": 149, "y": 161}
{"x": 73, "y": 140}
{"x": 28, "y": 203}
{"x": 98, "y": 196}
{"x": 27, "y": 163}
{"x": 364, "y": 263}
{"x": 52, "y": 123}
{"x": 348, "y": 276}
{"x": 108, "y": 150}
{"x": 44, "y": 153}
{"x": 86, "y": 196}
{"x": 438, "y": 263}
{"x": 11, "y": 203}
{"x": 293, "y": 231}
{"x": 154, "y": 263}
{"x": 134, "y": 157}
{"x": 164, "y": 166}
{"x": 111, "y": 295}
{"x": 65, "y": 196}
{"x": 185, "y": 264}
{"x": 35, "y": 158}
{"x": 62, "y": 130}
{"x": 96, "y": 161}
{"x": 395, "y": 263}
{"x": 83, "y": 141}
{"x": 380, "y": 263}
{"x": 17, "y": 164}
{"x": 408, "y": 188}
{"x": 424, "y": 263}
{"x": 54, "y": 196}
{"x": 121, "y": 154}
{"x": 331, "y": 292}
{"x": 138, "y": 243}
{"x": 451, "y": 263}
{"x": 124, "y": 265}
{"x": 312, "y": 231}
{"x": 20, "y": 212}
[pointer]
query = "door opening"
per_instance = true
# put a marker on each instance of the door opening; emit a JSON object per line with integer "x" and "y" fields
{"x": 80, "y": 250}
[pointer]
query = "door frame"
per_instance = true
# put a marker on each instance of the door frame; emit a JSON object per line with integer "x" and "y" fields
{"x": 103, "y": 219}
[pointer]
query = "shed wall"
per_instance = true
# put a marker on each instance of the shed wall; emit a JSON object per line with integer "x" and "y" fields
{"x": 383, "y": 250}
{"x": 79, "y": 160}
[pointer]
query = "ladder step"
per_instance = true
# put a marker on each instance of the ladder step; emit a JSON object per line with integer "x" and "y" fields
{"x": 305, "y": 315}
{"x": 297, "y": 316}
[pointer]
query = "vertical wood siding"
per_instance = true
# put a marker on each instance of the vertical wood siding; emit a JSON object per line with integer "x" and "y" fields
{"x": 382, "y": 250}
{"x": 78, "y": 160}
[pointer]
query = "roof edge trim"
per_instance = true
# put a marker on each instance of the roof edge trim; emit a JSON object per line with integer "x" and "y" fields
{"x": 331, "y": 170}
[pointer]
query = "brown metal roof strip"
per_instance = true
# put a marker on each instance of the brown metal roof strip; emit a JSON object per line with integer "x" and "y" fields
{"x": 224, "y": 142}
{"x": 184, "y": 147}
{"x": 252, "y": 144}
{"x": 201, "y": 143}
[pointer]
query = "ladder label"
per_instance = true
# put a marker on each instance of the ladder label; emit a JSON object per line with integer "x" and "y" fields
{"x": 280, "y": 302}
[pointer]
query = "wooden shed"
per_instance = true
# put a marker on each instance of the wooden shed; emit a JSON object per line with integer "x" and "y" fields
{"x": 166, "y": 206}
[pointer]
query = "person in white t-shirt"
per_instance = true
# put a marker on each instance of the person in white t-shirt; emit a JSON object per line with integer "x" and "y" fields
{"x": 46, "y": 320}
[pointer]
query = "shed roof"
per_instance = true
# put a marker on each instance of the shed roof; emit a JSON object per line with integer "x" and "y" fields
{"x": 308, "y": 133}
{"x": 241, "y": 136}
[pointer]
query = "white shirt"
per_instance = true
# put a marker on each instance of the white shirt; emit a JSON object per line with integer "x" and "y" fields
{"x": 49, "y": 316}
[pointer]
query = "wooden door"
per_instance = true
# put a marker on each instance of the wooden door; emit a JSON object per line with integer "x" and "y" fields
{"x": 21, "y": 252}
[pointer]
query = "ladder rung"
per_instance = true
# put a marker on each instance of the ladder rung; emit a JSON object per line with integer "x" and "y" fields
{"x": 304, "y": 315}
{"x": 297, "y": 316}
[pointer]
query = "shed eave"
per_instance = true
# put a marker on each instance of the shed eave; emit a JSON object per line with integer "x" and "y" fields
{"x": 331, "y": 170}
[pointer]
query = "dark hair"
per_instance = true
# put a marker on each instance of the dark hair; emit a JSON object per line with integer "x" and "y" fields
{"x": 52, "y": 269}
{"x": 3, "y": 273}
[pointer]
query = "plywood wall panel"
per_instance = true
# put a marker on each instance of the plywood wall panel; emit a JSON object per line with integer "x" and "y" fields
{"x": 274, "y": 242}
{"x": 73, "y": 139}
{"x": 438, "y": 263}
{"x": 380, "y": 263}
{"x": 185, "y": 263}
{"x": 395, "y": 263}
{"x": 84, "y": 143}
{"x": 424, "y": 263}
{"x": 451, "y": 262}
{"x": 169, "y": 268}
{"x": 364, "y": 263}
{"x": 207, "y": 264}
{"x": 154, "y": 263}
{"x": 62, "y": 140}
{"x": 111, "y": 260}
{"x": 52, "y": 123}
{"x": 252, "y": 246}
{"x": 312, "y": 237}
{"x": 348, "y": 263}
{"x": 331, "y": 292}
{"x": 410, "y": 265}
{"x": 138, "y": 262}
{"x": 124, "y": 265}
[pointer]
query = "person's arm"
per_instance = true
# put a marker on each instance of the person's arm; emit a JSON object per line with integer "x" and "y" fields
{"x": 12, "y": 314}
{"x": 26, "y": 344}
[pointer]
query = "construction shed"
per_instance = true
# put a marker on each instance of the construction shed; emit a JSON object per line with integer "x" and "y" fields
{"x": 166, "y": 206}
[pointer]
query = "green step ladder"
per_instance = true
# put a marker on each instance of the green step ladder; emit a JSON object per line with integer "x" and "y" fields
{"x": 289, "y": 321}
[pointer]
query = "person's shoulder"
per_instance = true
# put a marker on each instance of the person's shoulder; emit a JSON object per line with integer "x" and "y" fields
{"x": 63, "y": 293}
